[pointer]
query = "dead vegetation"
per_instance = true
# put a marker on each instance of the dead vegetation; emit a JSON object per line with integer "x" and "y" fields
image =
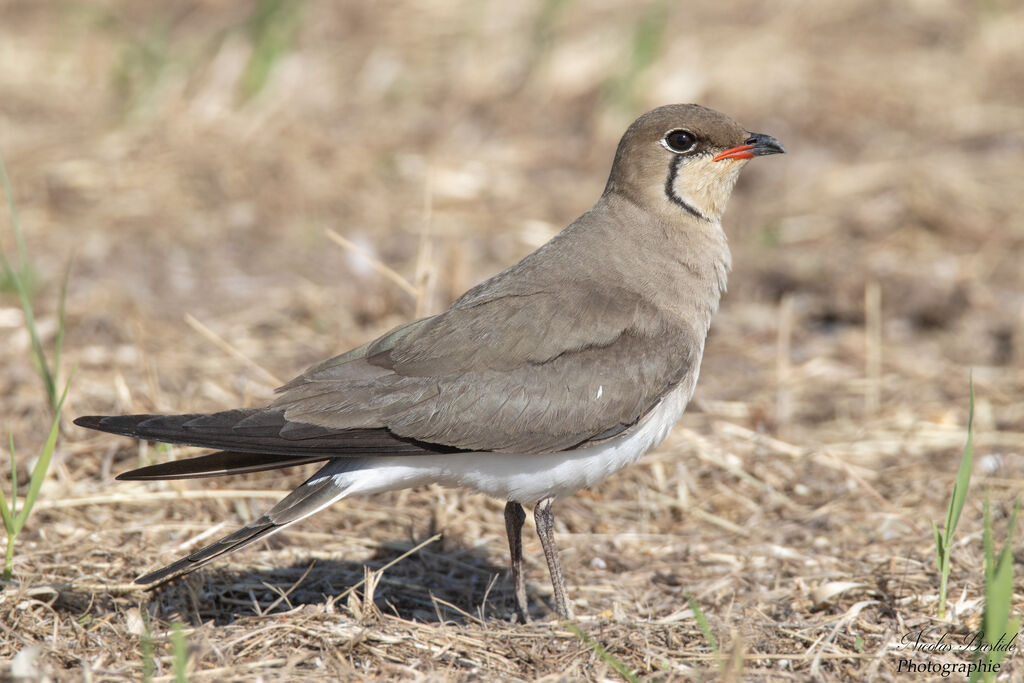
{"x": 188, "y": 160}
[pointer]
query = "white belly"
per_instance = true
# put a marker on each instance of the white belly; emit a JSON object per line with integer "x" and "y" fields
{"x": 521, "y": 478}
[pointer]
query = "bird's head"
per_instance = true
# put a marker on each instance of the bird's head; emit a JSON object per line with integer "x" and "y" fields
{"x": 685, "y": 157}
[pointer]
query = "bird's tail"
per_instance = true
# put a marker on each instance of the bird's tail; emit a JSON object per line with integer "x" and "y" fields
{"x": 328, "y": 485}
{"x": 216, "y": 464}
{"x": 252, "y": 440}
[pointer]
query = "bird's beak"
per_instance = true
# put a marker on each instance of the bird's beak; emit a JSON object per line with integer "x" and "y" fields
{"x": 757, "y": 145}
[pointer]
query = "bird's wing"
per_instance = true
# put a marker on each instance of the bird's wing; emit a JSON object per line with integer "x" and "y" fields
{"x": 259, "y": 431}
{"x": 252, "y": 440}
{"x": 548, "y": 355}
{"x": 516, "y": 372}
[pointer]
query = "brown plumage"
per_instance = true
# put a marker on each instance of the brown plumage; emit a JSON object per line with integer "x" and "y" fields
{"x": 590, "y": 346}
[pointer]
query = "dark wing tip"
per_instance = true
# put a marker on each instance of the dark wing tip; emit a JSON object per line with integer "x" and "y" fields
{"x": 90, "y": 421}
{"x": 124, "y": 425}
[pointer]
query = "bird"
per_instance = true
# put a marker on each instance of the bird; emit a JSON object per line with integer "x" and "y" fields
{"x": 540, "y": 381}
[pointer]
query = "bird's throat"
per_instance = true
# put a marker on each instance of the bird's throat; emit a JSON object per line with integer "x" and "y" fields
{"x": 702, "y": 186}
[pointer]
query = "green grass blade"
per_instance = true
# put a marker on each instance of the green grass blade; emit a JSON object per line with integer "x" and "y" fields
{"x": 997, "y": 626}
{"x": 986, "y": 540}
{"x": 1006, "y": 554}
{"x": 963, "y": 476}
{"x": 14, "y": 481}
{"x": 646, "y": 44}
{"x": 18, "y": 279}
{"x": 944, "y": 542}
{"x": 938, "y": 546}
{"x": 10, "y": 514}
{"x": 8, "y": 511}
{"x": 606, "y": 656}
{"x": 6, "y": 514}
{"x": 272, "y": 29}
{"x": 180, "y": 646}
{"x": 705, "y": 628}
{"x": 999, "y": 585}
{"x": 58, "y": 340}
{"x": 42, "y": 465}
{"x": 8, "y": 519}
{"x": 999, "y": 599}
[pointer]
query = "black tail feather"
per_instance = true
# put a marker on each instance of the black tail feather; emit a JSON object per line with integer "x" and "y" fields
{"x": 215, "y": 465}
{"x": 319, "y": 491}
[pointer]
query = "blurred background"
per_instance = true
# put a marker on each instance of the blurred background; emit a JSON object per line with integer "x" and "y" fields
{"x": 188, "y": 158}
{"x": 185, "y": 161}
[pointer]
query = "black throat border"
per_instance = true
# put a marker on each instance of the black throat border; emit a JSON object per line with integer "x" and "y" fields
{"x": 670, "y": 189}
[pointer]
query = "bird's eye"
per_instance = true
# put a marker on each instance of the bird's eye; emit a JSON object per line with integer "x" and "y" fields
{"x": 679, "y": 141}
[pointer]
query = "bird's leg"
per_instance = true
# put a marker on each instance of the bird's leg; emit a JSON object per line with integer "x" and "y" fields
{"x": 545, "y": 518}
{"x": 514, "y": 518}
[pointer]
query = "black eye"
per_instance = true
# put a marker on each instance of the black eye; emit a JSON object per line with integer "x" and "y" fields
{"x": 680, "y": 141}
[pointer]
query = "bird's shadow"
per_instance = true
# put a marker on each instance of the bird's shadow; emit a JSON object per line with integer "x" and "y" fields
{"x": 457, "y": 585}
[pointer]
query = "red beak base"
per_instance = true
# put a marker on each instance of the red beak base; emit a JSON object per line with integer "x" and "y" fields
{"x": 738, "y": 152}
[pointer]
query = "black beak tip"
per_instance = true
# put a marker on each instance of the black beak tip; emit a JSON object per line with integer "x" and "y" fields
{"x": 764, "y": 145}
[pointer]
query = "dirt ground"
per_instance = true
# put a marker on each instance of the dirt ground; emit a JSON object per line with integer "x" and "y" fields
{"x": 187, "y": 160}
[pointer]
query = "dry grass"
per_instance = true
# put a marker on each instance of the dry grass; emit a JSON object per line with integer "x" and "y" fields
{"x": 875, "y": 264}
